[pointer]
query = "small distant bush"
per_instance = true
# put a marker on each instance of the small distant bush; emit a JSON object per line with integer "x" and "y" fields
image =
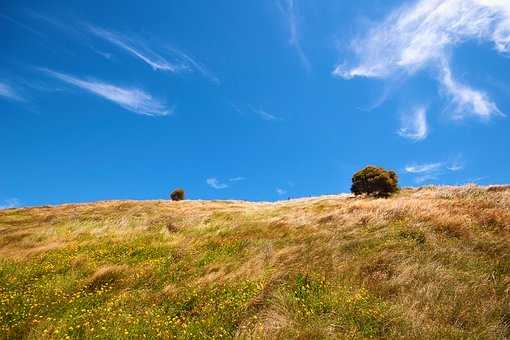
{"x": 177, "y": 195}
{"x": 374, "y": 181}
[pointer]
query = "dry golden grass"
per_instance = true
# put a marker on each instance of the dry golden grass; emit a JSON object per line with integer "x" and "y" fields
{"x": 432, "y": 262}
{"x": 106, "y": 276}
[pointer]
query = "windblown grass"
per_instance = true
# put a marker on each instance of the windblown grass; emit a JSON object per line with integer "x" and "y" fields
{"x": 428, "y": 263}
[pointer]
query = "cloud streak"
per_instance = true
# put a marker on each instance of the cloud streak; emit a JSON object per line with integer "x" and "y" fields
{"x": 431, "y": 171}
{"x": 288, "y": 10}
{"x": 8, "y": 92}
{"x": 192, "y": 63}
{"x": 159, "y": 57}
{"x": 414, "y": 125}
{"x": 423, "y": 168}
{"x": 134, "y": 100}
{"x": 466, "y": 100}
{"x": 216, "y": 184}
{"x": 138, "y": 49}
{"x": 455, "y": 167}
{"x": 425, "y": 172}
{"x": 22, "y": 25}
{"x": 418, "y": 36}
{"x": 281, "y": 191}
{"x": 265, "y": 115}
{"x": 167, "y": 59}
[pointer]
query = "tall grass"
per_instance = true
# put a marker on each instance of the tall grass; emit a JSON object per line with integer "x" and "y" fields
{"x": 427, "y": 263}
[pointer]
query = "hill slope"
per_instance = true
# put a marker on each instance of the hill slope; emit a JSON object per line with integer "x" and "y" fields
{"x": 430, "y": 262}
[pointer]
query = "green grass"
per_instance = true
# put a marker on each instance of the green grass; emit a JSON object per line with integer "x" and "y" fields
{"x": 429, "y": 263}
{"x": 48, "y": 295}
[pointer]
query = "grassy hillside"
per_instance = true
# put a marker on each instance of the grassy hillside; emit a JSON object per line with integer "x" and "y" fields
{"x": 427, "y": 263}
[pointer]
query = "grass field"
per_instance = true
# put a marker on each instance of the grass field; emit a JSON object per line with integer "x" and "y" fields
{"x": 427, "y": 263}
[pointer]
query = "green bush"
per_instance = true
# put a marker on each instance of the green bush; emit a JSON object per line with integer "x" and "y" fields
{"x": 374, "y": 181}
{"x": 177, "y": 195}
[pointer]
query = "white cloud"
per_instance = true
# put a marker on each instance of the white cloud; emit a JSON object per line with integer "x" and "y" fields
{"x": 423, "y": 168}
{"x": 22, "y": 25}
{"x": 456, "y": 164}
{"x": 67, "y": 29}
{"x": 288, "y": 10}
{"x": 236, "y": 179}
{"x": 105, "y": 55}
{"x": 431, "y": 171}
{"x": 236, "y": 108}
{"x": 425, "y": 172}
{"x": 429, "y": 168}
{"x": 422, "y": 34}
{"x": 414, "y": 125}
{"x": 131, "y": 99}
{"x": 168, "y": 59}
{"x": 455, "y": 167}
{"x": 192, "y": 63}
{"x": 8, "y": 92}
{"x": 264, "y": 114}
{"x": 139, "y": 49}
{"x": 281, "y": 191}
{"x": 464, "y": 99}
{"x": 215, "y": 183}
{"x": 10, "y": 203}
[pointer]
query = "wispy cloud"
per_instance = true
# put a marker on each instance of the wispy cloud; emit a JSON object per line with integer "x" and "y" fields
{"x": 288, "y": 9}
{"x": 423, "y": 168}
{"x": 281, "y": 191}
{"x": 131, "y": 99}
{"x": 137, "y": 48}
{"x": 169, "y": 59}
{"x": 8, "y": 92}
{"x": 431, "y": 171}
{"x": 456, "y": 164}
{"x": 192, "y": 63}
{"x": 22, "y": 25}
{"x": 159, "y": 56}
{"x": 10, "y": 203}
{"x": 64, "y": 27}
{"x": 414, "y": 125}
{"x": 215, "y": 183}
{"x": 425, "y": 172}
{"x": 249, "y": 110}
{"x": 464, "y": 99}
{"x": 264, "y": 114}
{"x": 421, "y": 35}
{"x": 455, "y": 167}
{"x": 103, "y": 54}
{"x": 236, "y": 108}
{"x": 236, "y": 179}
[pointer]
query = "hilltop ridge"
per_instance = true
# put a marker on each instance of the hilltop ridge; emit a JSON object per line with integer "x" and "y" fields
{"x": 430, "y": 262}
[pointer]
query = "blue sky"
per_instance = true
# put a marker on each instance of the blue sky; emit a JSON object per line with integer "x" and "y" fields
{"x": 257, "y": 100}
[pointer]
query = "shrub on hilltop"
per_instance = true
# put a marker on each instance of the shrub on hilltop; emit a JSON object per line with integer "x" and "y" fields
{"x": 374, "y": 181}
{"x": 177, "y": 195}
